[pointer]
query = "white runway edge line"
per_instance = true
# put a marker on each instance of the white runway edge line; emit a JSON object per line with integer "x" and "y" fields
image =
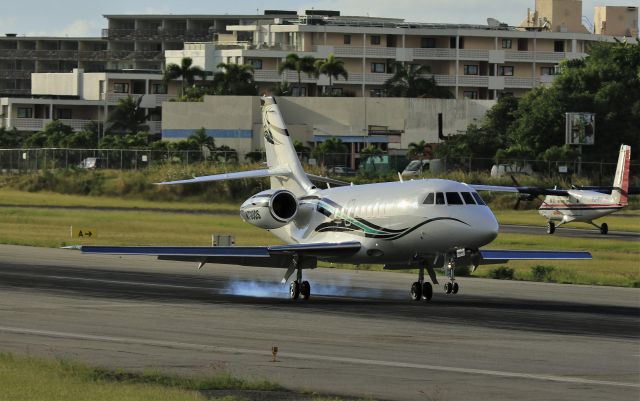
{"x": 305, "y": 356}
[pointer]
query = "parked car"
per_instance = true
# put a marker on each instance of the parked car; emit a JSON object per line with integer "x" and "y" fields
{"x": 499, "y": 170}
{"x": 340, "y": 170}
{"x": 92, "y": 163}
{"x": 417, "y": 167}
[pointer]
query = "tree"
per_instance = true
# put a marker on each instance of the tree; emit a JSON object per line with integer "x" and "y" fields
{"x": 418, "y": 149}
{"x": 293, "y": 62}
{"x": 370, "y": 152}
{"x": 54, "y": 135}
{"x": 331, "y": 67}
{"x": 234, "y": 79}
{"x": 186, "y": 71}
{"x": 128, "y": 117}
{"x": 302, "y": 150}
{"x": 202, "y": 140}
{"x": 330, "y": 151}
{"x": 10, "y": 139}
{"x": 411, "y": 81}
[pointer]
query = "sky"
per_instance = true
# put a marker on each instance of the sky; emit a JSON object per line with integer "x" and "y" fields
{"x": 85, "y": 18}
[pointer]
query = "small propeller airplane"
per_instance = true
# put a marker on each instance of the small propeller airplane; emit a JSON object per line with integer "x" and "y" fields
{"x": 423, "y": 224}
{"x": 578, "y": 204}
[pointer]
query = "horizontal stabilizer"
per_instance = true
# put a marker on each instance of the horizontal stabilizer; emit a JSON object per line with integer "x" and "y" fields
{"x": 280, "y": 171}
{"x": 331, "y": 181}
{"x": 490, "y": 255}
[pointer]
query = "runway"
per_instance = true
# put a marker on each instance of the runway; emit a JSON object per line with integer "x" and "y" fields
{"x": 568, "y": 231}
{"x": 359, "y": 335}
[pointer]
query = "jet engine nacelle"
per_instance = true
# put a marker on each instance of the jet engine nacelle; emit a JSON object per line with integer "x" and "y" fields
{"x": 270, "y": 209}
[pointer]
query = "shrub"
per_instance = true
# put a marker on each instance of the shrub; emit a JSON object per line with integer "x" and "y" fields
{"x": 502, "y": 273}
{"x": 542, "y": 273}
{"x": 462, "y": 270}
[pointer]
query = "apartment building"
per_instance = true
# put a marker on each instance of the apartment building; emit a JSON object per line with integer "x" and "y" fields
{"x": 129, "y": 42}
{"x": 78, "y": 98}
{"x": 616, "y": 20}
{"x": 472, "y": 61}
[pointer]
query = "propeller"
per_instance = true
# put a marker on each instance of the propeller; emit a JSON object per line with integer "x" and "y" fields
{"x": 532, "y": 193}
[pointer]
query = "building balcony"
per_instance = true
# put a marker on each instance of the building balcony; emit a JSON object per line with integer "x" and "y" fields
{"x": 15, "y": 74}
{"x": 148, "y": 101}
{"x": 38, "y": 124}
{"x": 159, "y": 34}
{"x": 11, "y": 54}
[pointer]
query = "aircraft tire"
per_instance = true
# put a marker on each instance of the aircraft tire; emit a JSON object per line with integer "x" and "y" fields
{"x": 448, "y": 287}
{"x": 455, "y": 288}
{"x": 305, "y": 290}
{"x": 294, "y": 290}
{"x": 604, "y": 229}
{"x": 427, "y": 291}
{"x": 551, "y": 227}
{"x": 416, "y": 291}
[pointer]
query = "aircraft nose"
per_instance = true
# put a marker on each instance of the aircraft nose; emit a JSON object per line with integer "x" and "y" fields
{"x": 488, "y": 228}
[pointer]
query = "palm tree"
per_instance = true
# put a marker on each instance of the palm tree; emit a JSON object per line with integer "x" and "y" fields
{"x": 128, "y": 117}
{"x": 411, "y": 81}
{"x": 331, "y": 67}
{"x": 202, "y": 140}
{"x": 234, "y": 79}
{"x": 301, "y": 149}
{"x": 418, "y": 149}
{"x": 370, "y": 152}
{"x": 186, "y": 71}
{"x": 330, "y": 150}
{"x": 298, "y": 64}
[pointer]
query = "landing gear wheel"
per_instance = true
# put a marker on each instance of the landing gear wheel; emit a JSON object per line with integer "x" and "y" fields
{"x": 448, "y": 287}
{"x": 305, "y": 290}
{"x": 416, "y": 291}
{"x": 294, "y": 290}
{"x": 551, "y": 227}
{"x": 604, "y": 229}
{"x": 455, "y": 288}
{"x": 427, "y": 291}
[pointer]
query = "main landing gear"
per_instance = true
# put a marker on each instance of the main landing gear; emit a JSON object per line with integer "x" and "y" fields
{"x": 299, "y": 288}
{"x": 604, "y": 228}
{"x": 423, "y": 290}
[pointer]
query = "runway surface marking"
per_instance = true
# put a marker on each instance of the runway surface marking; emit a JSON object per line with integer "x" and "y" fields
{"x": 326, "y": 358}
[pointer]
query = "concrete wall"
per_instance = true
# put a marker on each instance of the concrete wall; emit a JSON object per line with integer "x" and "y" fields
{"x": 63, "y": 84}
{"x": 236, "y": 120}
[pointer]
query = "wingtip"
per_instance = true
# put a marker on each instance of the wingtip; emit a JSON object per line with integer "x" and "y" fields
{"x": 74, "y": 247}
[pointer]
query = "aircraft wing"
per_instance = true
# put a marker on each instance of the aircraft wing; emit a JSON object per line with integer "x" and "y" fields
{"x": 267, "y": 256}
{"x": 493, "y": 256}
{"x": 232, "y": 176}
{"x": 533, "y": 191}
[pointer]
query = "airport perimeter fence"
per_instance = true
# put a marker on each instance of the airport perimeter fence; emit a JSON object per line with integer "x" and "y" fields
{"x": 18, "y": 161}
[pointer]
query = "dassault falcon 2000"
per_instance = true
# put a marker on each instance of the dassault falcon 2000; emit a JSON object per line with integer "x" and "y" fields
{"x": 423, "y": 224}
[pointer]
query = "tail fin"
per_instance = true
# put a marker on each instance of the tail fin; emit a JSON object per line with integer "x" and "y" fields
{"x": 620, "y": 191}
{"x": 280, "y": 150}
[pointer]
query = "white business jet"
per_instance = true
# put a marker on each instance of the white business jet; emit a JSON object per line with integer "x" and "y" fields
{"x": 579, "y": 205}
{"x": 423, "y": 224}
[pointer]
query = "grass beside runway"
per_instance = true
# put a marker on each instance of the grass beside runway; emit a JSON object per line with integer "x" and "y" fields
{"x": 615, "y": 262}
{"x": 33, "y": 379}
{"x": 626, "y": 220}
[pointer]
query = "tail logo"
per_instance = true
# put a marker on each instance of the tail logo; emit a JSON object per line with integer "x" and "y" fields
{"x": 266, "y": 127}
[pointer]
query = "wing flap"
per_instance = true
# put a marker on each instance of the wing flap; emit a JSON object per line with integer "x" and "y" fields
{"x": 491, "y": 255}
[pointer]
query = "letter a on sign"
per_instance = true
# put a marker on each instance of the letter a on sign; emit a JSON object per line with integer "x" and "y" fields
{"x": 84, "y": 233}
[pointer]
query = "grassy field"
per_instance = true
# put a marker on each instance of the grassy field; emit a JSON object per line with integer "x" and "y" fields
{"x": 32, "y": 379}
{"x": 37, "y": 379}
{"x": 615, "y": 262}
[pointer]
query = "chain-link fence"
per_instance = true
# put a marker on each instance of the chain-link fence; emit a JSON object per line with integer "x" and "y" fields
{"x": 24, "y": 160}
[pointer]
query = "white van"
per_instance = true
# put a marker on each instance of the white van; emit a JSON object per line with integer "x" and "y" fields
{"x": 417, "y": 167}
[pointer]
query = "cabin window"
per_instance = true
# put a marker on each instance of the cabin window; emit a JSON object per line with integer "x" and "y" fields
{"x": 478, "y": 199}
{"x": 453, "y": 198}
{"x": 429, "y": 199}
{"x": 468, "y": 199}
{"x": 439, "y": 198}
{"x": 324, "y": 211}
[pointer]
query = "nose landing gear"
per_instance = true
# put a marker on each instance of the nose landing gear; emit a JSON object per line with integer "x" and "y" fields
{"x": 450, "y": 271}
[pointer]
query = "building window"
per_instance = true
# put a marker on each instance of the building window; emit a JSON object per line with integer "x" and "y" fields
{"x": 506, "y": 43}
{"x": 504, "y": 94}
{"x": 470, "y": 94}
{"x": 347, "y": 39}
{"x": 295, "y": 91}
{"x": 377, "y": 67}
{"x": 391, "y": 40}
{"x": 336, "y": 91}
{"x": 505, "y": 70}
{"x": 64, "y": 114}
{"x": 376, "y": 92}
{"x": 120, "y": 88}
{"x": 547, "y": 70}
{"x": 471, "y": 69}
{"x": 255, "y": 63}
{"x": 375, "y": 39}
{"x": 25, "y": 112}
{"x": 523, "y": 44}
{"x": 428, "y": 43}
{"x": 159, "y": 89}
{"x": 558, "y": 46}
